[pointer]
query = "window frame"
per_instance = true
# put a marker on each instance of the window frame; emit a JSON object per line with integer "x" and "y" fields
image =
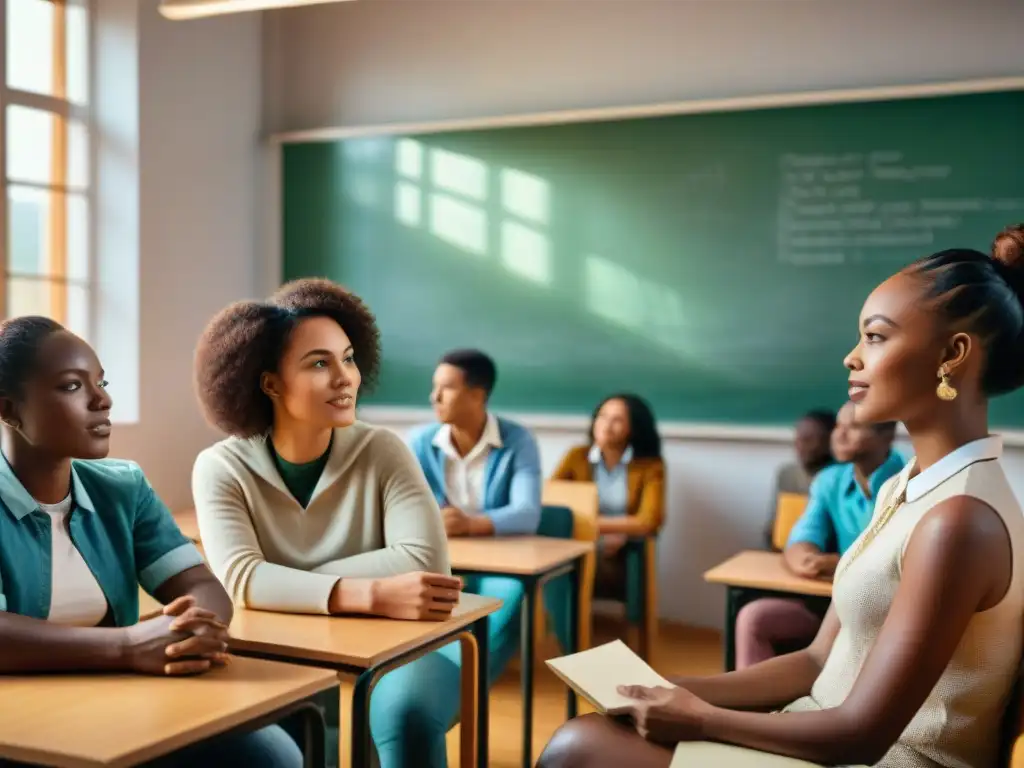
{"x": 66, "y": 111}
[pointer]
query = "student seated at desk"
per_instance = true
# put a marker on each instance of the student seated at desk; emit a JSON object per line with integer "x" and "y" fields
{"x": 304, "y": 509}
{"x": 813, "y": 454}
{"x": 485, "y": 473}
{"x": 917, "y": 658}
{"x": 838, "y": 510}
{"x": 624, "y": 460}
{"x": 79, "y": 533}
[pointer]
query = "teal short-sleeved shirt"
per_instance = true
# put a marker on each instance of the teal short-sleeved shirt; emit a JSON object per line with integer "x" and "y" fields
{"x": 124, "y": 532}
{"x": 838, "y": 510}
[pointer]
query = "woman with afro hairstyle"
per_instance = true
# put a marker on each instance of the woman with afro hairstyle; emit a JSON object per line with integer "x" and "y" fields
{"x": 305, "y": 509}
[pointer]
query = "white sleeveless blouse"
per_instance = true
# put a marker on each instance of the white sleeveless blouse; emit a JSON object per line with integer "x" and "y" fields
{"x": 959, "y": 724}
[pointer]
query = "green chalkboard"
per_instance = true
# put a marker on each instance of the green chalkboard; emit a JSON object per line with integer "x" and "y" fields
{"x": 715, "y": 263}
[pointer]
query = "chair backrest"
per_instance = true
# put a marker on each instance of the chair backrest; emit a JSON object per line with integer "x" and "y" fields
{"x": 1012, "y": 737}
{"x": 581, "y": 498}
{"x": 556, "y": 522}
{"x": 788, "y": 509}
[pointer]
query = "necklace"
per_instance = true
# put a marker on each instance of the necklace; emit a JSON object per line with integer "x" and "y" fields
{"x": 876, "y": 526}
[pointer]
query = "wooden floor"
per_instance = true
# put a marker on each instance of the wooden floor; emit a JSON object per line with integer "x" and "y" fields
{"x": 678, "y": 651}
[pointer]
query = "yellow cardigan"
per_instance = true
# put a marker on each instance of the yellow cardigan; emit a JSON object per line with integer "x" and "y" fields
{"x": 646, "y": 481}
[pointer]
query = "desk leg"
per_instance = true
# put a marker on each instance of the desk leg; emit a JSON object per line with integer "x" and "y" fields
{"x": 362, "y": 747}
{"x": 645, "y": 608}
{"x": 481, "y": 633}
{"x": 526, "y": 674}
{"x": 573, "y": 639}
{"x": 729, "y": 636}
{"x": 314, "y": 732}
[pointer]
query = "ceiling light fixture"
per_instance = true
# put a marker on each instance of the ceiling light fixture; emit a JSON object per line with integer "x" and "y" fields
{"x": 197, "y": 9}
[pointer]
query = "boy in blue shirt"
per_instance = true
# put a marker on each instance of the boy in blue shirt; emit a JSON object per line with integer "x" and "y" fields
{"x": 839, "y": 508}
{"x": 484, "y": 472}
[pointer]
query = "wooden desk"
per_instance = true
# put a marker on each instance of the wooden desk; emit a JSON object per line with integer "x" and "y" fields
{"x": 750, "y": 575}
{"x": 532, "y": 560}
{"x": 367, "y": 648}
{"x": 74, "y": 721}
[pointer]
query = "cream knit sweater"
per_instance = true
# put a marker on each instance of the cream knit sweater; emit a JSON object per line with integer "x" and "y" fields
{"x": 371, "y": 515}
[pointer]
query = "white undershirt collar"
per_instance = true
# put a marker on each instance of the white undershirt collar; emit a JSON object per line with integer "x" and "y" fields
{"x": 594, "y": 456}
{"x": 985, "y": 449}
{"x": 491, "y": 438}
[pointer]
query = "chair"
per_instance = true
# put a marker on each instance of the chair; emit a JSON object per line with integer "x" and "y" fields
{"x": 642, "y": 591}
{"x": 556, "y": 522}
{"x": 581, "y": 500}
{"x": 1013, "y": 729}
{"x": 641, "y": 563}
{"x": 789, "y": 507}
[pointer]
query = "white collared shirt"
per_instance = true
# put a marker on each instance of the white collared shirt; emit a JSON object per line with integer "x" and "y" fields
{"x": 612, "y": 483}
{"x": 985, "y": 449}
{"x": 75, "y": 596}
{"x": 464, "y": 475}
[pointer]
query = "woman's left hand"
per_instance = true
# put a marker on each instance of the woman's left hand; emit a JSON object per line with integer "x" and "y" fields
{"x": 664, "y": 715}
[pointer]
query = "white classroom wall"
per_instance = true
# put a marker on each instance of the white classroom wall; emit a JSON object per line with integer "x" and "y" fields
{"x": 375, "y": 61}
{"x": 198, "y": 120}
{"x": 380, "y": 61}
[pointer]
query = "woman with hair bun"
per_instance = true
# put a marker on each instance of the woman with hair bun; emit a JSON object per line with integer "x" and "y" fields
{"x": 915, "y": 662}
{"x": 305, "y": 509}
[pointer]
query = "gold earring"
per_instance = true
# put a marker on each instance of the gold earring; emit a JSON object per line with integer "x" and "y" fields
{"x": 945, "y": 390}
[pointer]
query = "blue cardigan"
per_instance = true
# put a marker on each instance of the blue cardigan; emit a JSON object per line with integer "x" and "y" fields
{"x": 511, "y": 479}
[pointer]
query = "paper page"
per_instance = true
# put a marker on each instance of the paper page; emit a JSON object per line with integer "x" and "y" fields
{"x": 596, "y": 673}
{"x": 702, "y": 754}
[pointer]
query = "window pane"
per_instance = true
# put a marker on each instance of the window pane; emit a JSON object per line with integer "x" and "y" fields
{"x": 29, "y": 212}
{"x": 78, "y": 51}
{"x": 29, "y": 144}
{"x": 78, "y": 237}
{"x": 30, "y": 147}
{"x": 30, "y": 25}
{"x": 27, "y": 296}
{"x": 28, "y": 215}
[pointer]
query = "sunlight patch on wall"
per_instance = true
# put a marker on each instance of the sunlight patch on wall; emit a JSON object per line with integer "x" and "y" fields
{"x": 461, "y": 224}
{"x": 408, "y": 203}
{"x": 613, "y": 292}
{"x": 651, "y": 310}
{"x": 525, "y": 195}
{"x": 409, "y": 158}
{"x": 363, "y": 189}
{"x": 526, "y": 252}
{"x": 457, "y": 173}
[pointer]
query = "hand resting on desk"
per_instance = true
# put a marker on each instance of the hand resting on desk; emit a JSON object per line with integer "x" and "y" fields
{"x": 180, "y": 639}
{"x": 417, "y": 596}
{"x": 809, "y": 562}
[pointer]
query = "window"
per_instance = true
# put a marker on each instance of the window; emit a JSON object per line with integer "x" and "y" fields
{"x": 45, "y": 154}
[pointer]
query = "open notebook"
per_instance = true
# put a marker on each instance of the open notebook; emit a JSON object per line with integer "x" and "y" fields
{"x": 597, "y": 673}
